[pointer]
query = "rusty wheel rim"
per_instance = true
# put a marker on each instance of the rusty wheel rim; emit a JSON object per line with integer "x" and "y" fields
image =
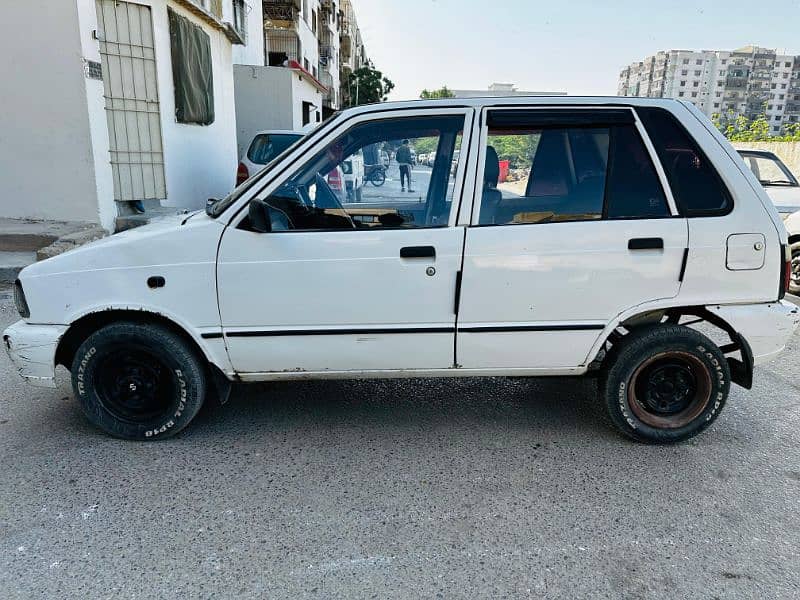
{"x": 669, "y": 390}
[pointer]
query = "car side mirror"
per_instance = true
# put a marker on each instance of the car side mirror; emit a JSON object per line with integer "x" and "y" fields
{"x": 258, "y": 213}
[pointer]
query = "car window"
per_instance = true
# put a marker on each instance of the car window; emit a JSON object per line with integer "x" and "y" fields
{"x": 556, "y": 174}
{"x": 348, "y": 186}
{"x": 267, "y": 146}
{"x": 768, "y": 170}
{"x": 695, "y": 184}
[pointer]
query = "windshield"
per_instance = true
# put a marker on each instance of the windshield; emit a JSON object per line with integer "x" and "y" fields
{"x": 222, "y": 205}
{"x": 267, "y": 146}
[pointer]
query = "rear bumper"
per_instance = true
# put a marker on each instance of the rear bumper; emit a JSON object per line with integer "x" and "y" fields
{"x": 766, "y": 327}
{"x": 32, "y": 349}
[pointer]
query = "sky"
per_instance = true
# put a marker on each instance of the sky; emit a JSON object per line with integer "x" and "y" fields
{"x": 575, "y": 46}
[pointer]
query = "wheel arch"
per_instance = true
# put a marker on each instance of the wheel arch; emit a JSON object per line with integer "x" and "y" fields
{"x": 90, "y": 322}
{"x": 741, "y": 370}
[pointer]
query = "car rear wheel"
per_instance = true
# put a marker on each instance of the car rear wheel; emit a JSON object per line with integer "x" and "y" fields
{"x": 138, "y": 381}
{"x": 665, "y": 384}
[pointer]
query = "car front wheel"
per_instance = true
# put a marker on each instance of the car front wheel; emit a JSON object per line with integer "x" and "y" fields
{"x": 665, "y": 384}
{"x": 138, "y": 381}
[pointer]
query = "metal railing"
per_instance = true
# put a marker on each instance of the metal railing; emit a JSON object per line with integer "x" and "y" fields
{"x": 240, "y": 10}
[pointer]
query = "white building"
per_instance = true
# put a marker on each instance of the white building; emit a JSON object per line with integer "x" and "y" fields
{"x": 309, "y": 47}
{"x": 111, "y": 102}
{"x": 750, "y": 81}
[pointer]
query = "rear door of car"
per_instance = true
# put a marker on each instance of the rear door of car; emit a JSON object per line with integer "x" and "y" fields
{"x": 582, "y": 229}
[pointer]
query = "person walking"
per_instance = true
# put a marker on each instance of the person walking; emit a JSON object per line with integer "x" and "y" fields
{"x": 403, "y": 157}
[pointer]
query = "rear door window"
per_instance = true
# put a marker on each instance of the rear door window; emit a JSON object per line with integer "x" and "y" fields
{"x": 696, "y": 186}
{"x": 547, "y": 167}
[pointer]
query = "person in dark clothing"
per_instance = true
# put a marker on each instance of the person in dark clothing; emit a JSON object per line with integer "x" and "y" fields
{"x": 403, "y": 157}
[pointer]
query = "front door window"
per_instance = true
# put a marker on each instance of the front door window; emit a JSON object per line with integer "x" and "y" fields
{"x": 372, "y": 178}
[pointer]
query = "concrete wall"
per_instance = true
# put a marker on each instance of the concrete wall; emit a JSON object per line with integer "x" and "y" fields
{"x": 788, "y": 152}
{"x": 271, "y": 98}
{"x": 46, "y": 156}
{"x": 263, "y": 101}
{"x": 200, "y": 161}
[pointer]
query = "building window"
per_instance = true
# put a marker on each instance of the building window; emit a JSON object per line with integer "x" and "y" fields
{"x": 783, "y": 86}
{"x": 680, "y": 94}
{"x": 788, "y": 64}
{"x": 695, "y": 84}
{"x": 780, "y": 107}
{"x": 777, "y": 117}
{"x": 781, "y": 96}
{"x": 776, "y": 128}
{"x": 697, "y": 72}
{"x": 191, "y": 71}
{"x": 724, "y": 61}
{"x": 786, "y": 76}
{"x": 314, "y": 22}
{"x": 694, "y": 94}
{"x": 698, "y": 62}
{"x": 684, "y": 72}
{"x": 773, "y": 86}
{"x": 718, "y": 94}
{"x": 716, "y": 104}
{"x": 769, "y": 107}
{"x": 683, "y": 84}
{"x": 686, "y": 61}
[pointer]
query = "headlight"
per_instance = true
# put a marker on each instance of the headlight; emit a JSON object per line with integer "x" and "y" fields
{"x": 20, "y": 302}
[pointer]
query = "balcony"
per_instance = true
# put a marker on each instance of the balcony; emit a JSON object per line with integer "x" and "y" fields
{"x": 281, "y": 13}
{"x": 282, "y": 45}
{"x": 327, "y": 57}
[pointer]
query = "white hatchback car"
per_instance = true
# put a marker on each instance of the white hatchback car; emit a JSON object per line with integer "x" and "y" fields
{"x": 636, "y": 219}
{"x": 264, "y": 147}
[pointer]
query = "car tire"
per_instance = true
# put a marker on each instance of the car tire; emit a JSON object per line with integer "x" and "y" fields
{"x": 138, "y": 381}
{"x": 664, "y": 384}
{"x": 794, "y": 281}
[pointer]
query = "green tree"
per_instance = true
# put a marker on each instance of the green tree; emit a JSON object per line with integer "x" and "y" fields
{"x": 367, "y": 85}
{"x": 442, "y": 92}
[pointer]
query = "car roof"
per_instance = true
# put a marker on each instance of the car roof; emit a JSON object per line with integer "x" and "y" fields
{"x": 489, "y": 101}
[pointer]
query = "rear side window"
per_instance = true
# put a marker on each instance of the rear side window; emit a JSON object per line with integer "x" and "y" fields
{"x": 696, "y": 186}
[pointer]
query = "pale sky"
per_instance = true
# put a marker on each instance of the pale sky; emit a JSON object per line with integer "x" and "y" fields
{"x": 576, "y": 46}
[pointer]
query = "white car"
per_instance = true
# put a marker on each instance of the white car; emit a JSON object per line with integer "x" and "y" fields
{"x": 638, "y": 220}
{"x": 353, "y": 169}
{"x": 265, "y": 147}
{"x": 784, "y": 191}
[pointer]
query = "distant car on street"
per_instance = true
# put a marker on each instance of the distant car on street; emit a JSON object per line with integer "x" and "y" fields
{"x": 784, "y": 190}
{"x": 266, "y": 145}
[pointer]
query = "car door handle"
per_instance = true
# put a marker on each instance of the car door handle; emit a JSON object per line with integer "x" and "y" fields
{"x": 418, "y": 252}
{"x": 646, "y": 244}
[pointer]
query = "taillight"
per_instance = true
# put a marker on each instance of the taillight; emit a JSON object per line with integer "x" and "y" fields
{"x": 242, "y": 174}
{"x": 786, "y": 271}
{"x": 335, "y": 180}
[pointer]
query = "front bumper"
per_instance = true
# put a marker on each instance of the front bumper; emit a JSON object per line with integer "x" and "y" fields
{"x": 766, "y": 327}
{"x": 32, "y": 349}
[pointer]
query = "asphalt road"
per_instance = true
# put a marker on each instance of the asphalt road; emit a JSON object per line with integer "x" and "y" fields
{"x": 402, "y": 489}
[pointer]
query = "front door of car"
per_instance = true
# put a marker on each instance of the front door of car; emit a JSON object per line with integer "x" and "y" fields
{"x": 579, "y": 229}
{"x": 344, "y": 282}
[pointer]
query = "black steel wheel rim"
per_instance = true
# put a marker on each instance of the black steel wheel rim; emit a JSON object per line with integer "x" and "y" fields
{"x": 666, "y": 387}
{"x": 135, "y": 385}
{"x": 795, "y": 274}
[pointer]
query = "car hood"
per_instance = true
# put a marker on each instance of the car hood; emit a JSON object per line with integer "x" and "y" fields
{"x": 165, "y": 240}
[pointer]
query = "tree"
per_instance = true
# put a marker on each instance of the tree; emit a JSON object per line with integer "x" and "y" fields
{"x": 442, "y": 92}
{"x": 367, "y": 85}
{"x": 738, "y": 128}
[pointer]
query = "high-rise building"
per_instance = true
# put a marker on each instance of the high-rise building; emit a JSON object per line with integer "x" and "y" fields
{"x": 750, "y": 81}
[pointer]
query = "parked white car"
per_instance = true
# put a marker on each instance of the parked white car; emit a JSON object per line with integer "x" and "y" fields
{"x": 783, "y": 189}
{"x": 265, "y": 147}
{"x": 638, "y": 216}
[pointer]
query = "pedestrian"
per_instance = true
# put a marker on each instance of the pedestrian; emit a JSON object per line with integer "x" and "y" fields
{"x": 403, "y": 157}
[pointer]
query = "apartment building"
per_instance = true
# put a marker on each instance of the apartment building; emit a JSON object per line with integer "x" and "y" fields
{"x": 749, "y": 81}
{"x": 111, "y": 106}
{"x": 309, "y": 49}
